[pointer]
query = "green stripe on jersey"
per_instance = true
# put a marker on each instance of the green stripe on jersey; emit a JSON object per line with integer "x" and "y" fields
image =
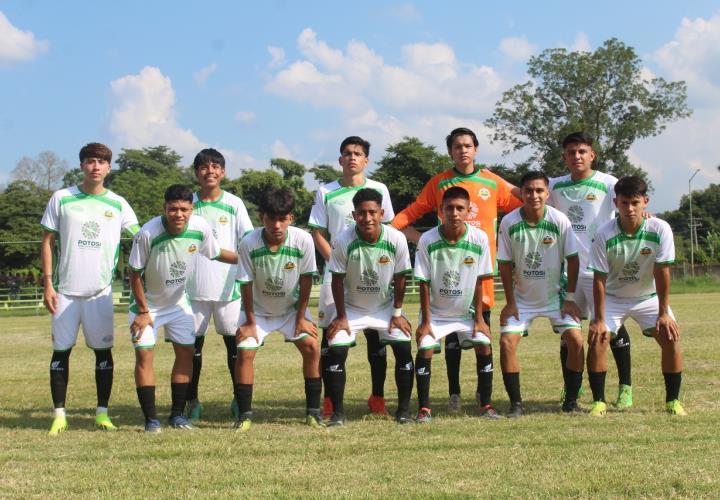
{"x": 188, "y": 235}
{"x": 289, "y": 251}
{"x": 448, "y": 183}
{"x": 640, "y": 235}
{"x": 463, "y": 245}
{"x": 344, "y": 190}
{"x": 585, "y": 182}
{"x": 98, "y": 197}
{"x": 216, "y": 204}
{"x": 381, "y": 244}
{"x": 524, "y": 226}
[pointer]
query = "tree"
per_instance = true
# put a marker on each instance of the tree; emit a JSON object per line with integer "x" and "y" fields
{"x": 22, "y": 206}
{"x": 405, "y": 169}
{"x": 325, "y": 174}
{"x": 603, "y": 93}
{"x": 45, "y": 171}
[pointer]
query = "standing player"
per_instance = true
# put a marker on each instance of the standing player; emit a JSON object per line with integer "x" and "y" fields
{"x": 488, "y": 194}
{"x": 536, "y": 240}
{"x": 451, "y": 263}
{"x": 330, "y": 215}
{"x": 212, "y": 287}
{"x": 164, "y": 254}
{"x": 630, "y": 260}
{"x": 277, "y": 263}
{"x": 586, "y": 196}
{"x": 369, "y": 263}
{"x": 85, "y": 222}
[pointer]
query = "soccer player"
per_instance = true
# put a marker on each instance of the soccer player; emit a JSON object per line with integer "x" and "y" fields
{"x": 277, "y": 263}
{"x": 586, "y": 196}
{"x": 212, "y": 287}
{"x": 536, "y": 240}
{"x": 488, "y": 194}
{"x": 630, "y": 260}
{"x": 85, "y": 223}
{"x": 163, "y": 255}
{"x": 331, "y": 214}
{"x": 369, "y": 263}
{"x": 451, "y": 262}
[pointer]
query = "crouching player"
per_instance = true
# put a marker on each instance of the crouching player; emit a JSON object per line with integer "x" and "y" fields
{"x": 536, "y": 240}
{"x": 369, "y": 263}
{"x": 277, "y": 263}
{"x": 163, "y": 255}
{"x": 630, "y": 258}
{"x": 451, "y": 263}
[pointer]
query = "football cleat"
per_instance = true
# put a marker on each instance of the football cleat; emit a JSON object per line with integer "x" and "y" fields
{"x": 102, "y": 422}
{"x": 242, "y": 424}
{"x": 424, "y": 416}
{"x": 314, "y": 420}
{"x": 624, "y": 399}
{"x": 489, "y": 412}
{"x": 675, "y": 408}
{"x": 376, "y": 404}
{"x": 336, "y": 420}
{"x": 403, "y": 417}
{"x": 454, "y": 404}
{"x": 598, "y": 409}
{"x": 194, "y": 409}
{"x": 581, "y": 392}
{"x": 571, "y": 408}
{"x": 153, "y": 425}
{"x": 181, "y": 422}
{"x": 516, "y": 410}
{"x": 59, "y": 424}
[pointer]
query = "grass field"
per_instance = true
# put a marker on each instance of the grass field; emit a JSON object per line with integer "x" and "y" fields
{"x": 639, "y": 453}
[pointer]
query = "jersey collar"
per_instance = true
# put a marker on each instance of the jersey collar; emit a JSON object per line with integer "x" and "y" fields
{"x": 380, "y": 238}
{"x": 640, "y": 229}
{"x": 164, "y": 223}
{"x": 265, "y": 243}
{"x": 542, "y": 219}
{"x": 461, "y": 238}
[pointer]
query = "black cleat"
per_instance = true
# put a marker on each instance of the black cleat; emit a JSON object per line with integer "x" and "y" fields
{"x": 516, "y": 410}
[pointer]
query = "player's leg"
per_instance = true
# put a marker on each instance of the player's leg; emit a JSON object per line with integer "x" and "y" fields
{"x": 620, "y": 346}
{"x": 180, "y": 331}
{"x": 484, "y": 369}
{"x": 231, "y": 356}
{"x": 453, "y": 355}
{"x": 104, "y": 367}
{"x": 510, "y": 367}
{"x": 334, "y": 376}
{"x": 377, "y": 358}
{"x": 597, "y": 370}
{"x": 574, "y": 368}
{"x": 310, "y": 352}
{"x": 225, "y": 318}
{"x": 202, "y": 311}
{"x": 145, "y": 386}
{"x": 404, "y": 375}
{"x": 327, "y": 409}
{"x": 326, "y": 312}
{"x": 245, "y": 371}
{"x": 65, "y": 325}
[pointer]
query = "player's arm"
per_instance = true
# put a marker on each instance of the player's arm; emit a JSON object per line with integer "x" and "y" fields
{"x": 50, "y": 298}
{"x": 510, "y": 309}
{"x": 302, "y": 324}
{"x": 227, "y": 256}
{"x": 424, "y": 326}
{"x": 424, "y": 203}
{"x": 398, "y": 320}
{"x": 569, "y": 307}
{"x": 480, "y": 325}
{"x": 666, "y": 325}
{"x": 321, "y": 243}
{"x": 338, "y": 292}
{"x": 248, "y": 329}
{"x": 598, "y": 328}
{"x": 142, "y": 316}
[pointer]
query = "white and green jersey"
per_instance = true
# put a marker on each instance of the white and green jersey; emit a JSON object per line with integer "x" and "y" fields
{"x": 538, "y": 253}
{"x": 87, "y": 228}
{"x": 629, "y": 260}
{"x": 369, "y": 268}
{"x": 168, "y": 259}
{"x": 588, "y": 203}
{"x": 229, "y": 221}
{"x": 452, "y": 269}
{"x": 275, "y": 276}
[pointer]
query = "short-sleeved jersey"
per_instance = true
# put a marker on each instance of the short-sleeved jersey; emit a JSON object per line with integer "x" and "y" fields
{"x": 275, "y": 276}
{"x": 229, "y": 221}
{"x": 370, "y": 268}
{"x": 588, "y": 203}
{"x": 88, "y": 228}
{"x": 168, "y": 259}
{"x": 452, "y": 270}
{"x": 538, "y": 253}
{"x": 333, "y": 206}
{"x": 488, "y": 194}
{"x": 629, "y": 261}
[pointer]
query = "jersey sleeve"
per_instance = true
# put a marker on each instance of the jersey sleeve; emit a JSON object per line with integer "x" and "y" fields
{"x": 245, "y": 271}
{"x": 210, "y": 246}
{"x": 598, "y": 255}
{"x": 244, "y": 225}
{"x": 129, "y": 219}
{"x": 570, "y": 246}
{"x": 307, "y": 262}
{"x": 425, "y": 202}
{"x": 505, "y": 199}
{"x": 486, "y": 267}
{"x": 140, "y": 251}
{"x": 51, "y": 218}
{"x": 422, "y": 262}
{"x": 504, "y": 251}
{"x": 666, "y": 250}
{"x": 402, "y": 256}
{"x": 338, "y": 257}
{"x": 318, "y": 213}
{"x": 388, "y": 212}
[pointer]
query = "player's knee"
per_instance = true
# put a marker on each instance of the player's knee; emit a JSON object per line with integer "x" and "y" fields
{"x": 573, "y": 339}
{"x": 508, "y": 343}
{"x": 403, "y": 353}
{"x": 245, "y": 356}
{"x": 483, "y": 350}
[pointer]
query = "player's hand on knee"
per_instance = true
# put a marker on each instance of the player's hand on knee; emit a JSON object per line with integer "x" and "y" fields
{"x": 423, "y": 329}
{"x": 401, "y": 323}
{"x": 482, "y": 327}
{"x": 140, "y": 322}
{"x": 667, "y": 328}
{"x": 570, "y": 308}
{"x": 509, "y": 311}
{"x": 597, "y": 332}
{"x": 304, "y": 325}
{"x": 336, "y": 325}
{"x": 247, "y": 331}
{"x": 50, "y": 299}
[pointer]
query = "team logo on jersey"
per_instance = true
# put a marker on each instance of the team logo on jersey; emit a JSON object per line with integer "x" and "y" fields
{"x": 548, "y": 240}
{"x": 575, "y": 213}
{"x": 349, "y": 220}
{"x": 90, "y": 231}
{"x": 289, "y": 266}
{"x": 223, "y": 219}
{"x": 109, "y": 214}
{"x": 368, "y": 282}
{"x": 591, "y": 197}
{"x": 469, "y": 260}
{"x": 645, "y": 251}
{"x": 274, "y": 286}
{"x": 321, "y": 314}
{"x": 384, "y": 259}
{"x": 472, "y": 212}
{"x": 177, "y": 271}
{"x": 192, "y": 248}
{"x": 533, "y": 260}
{"x": 484, "y": 193}
{"x": 630, "y": 271}
{"x": 451, "y": 279}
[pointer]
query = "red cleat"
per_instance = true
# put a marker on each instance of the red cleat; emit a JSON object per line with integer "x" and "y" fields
{"x": 376, "y": 404}
{"x": 327, "y": 407}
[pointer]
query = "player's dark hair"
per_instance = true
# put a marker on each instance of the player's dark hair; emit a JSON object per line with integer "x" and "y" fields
{"x": 534, "y": 175}
{"x": 630, "y": 186}
{"x": 577, "y": 138}
{"x": 367, "y": 194}
{"x": 207, "y": 156}
{"x": 456, "y": 193}
{"x": 355, "y": 140}
{"x": 457, "y": 132}
{"x": 178, "y": 192}
{"x": 277, "y": 202}
{"x": 95, "y": 150}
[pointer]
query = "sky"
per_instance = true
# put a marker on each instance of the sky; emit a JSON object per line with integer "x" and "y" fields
{"x": 291, "y": 79}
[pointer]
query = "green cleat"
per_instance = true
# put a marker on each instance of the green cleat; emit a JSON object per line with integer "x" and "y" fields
{"x": 194, "y": 409}
{"x": 59, "y": 425}
{"x": 314, "y": 421}
{"x": 675, "y": 408}
{"x": 598, "y": 409}
{"x": 103, "y": 422}
{"x": 242, "y": 425}
{"x": 581, "y": 393}
{"x": 624, "y": 399}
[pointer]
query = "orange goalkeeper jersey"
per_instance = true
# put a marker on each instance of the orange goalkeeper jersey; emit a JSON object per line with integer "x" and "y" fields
{"x": 488, "y": 194}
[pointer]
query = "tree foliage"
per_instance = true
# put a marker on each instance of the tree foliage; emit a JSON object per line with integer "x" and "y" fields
{"x": 22, "y": 205}
{"x": 325, "y": 174}
{"x": 604, "y": 93}
{"x": 46, "y": 170}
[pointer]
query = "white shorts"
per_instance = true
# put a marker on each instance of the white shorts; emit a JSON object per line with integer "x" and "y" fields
{"x": 179, "y": 327}
{"x": 95, "y": 313}
{"x": 225, "y": 316}
{"x": 645, "y": 312}
{"x": 326, "y": 305}
{"x": 584, "y": 295}
{"x": 265, "y": 325}
{"x": 444, "y": 327}
{"x": 359, "y": 321}
{"x": 559, "y": 322}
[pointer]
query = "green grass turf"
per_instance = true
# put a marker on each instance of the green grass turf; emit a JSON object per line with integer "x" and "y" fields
{"x": 639, "y": 453}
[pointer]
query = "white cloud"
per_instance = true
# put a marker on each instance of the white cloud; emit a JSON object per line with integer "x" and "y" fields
{"x": 202, "y": 75}
{"x": 277, "y": 56}
{"x": 581, "y": 43}
{"x": 17, "y": 45}
{"x": 245, "y": 117}
{"x": 517, "y": 48}
{"x": 405, "y": 12}
{"x": 280, "y": 150}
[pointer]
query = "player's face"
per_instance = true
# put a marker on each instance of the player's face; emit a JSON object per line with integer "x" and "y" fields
{"x": 276, "y": 226}
{"x": 177, "y": 214}
{"x": 534, "y": 194}
{"x": 631, "y": 208}
{"x": 353, "y": 159}
{"x": 367, "y": 217}
{"x": 95, "y": 169}
{"x": 578, "y": 158}
{"x": 463, "y": 151}
{"x": 455, "y": 211}
{"x": 209, "y": 175}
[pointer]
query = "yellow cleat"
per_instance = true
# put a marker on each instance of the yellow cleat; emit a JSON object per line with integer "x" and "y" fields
{"x": 59, "y": 425}
{"x": 675, "y": 408}
{"x": 598, "y": 409}
{"x": 102, "y": 422}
